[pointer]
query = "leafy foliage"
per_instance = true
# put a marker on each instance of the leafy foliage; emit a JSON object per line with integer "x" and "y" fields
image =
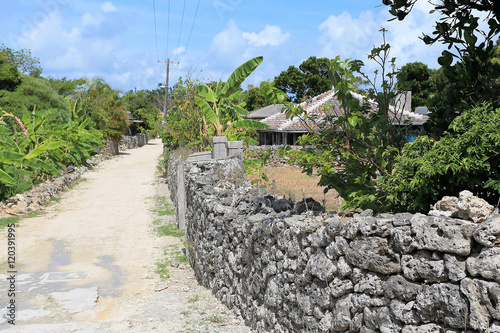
{"x": 184, "y": 123}
{"x": 33, "y": 93}
{"x": 466, "y": 157}
{"x": 473, "y": 78}
{"x": 352, "y": 148}
{"x": 143, "y": 106}
{"x": 65, "y": 87}
{"x": 254, "y": 98}
{"x": 22, "y": 60}
{"x": 417, "y": 78}
{"x": 255, "y": 162}
{"x": 309, "y": 80}
{"x": 10, "y": 77}
{"x": 99, "y": 102}
{"x": 38, "y": 146}
{"x": 222, "y": 114}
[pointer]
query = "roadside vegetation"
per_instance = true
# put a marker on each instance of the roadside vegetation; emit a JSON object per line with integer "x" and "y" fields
{"x": 363, "y": 154}
{"x": 164, "y": 225}
{"x": 47, "y": 124}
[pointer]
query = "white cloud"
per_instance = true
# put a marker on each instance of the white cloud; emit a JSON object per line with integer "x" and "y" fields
{"x": 108, "y": 7}
{"x": 354, "y": 37}
{"x": 79, "y": 48}
{"x": 229, "y": 40}
{"x": 271, "y": 35}
{"x": 347, "y": 36}
{"x": 179, "y": 50}
{"x": 232, "y": 46}
{"x": 91, "y": 19}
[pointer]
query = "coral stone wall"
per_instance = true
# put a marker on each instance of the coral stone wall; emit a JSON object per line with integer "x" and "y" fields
{"x": 128, "y": 142}
{"x": 303, "y": 273}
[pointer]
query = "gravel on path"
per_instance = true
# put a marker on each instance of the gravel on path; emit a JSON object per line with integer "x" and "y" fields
{"x": 95, "y": 261}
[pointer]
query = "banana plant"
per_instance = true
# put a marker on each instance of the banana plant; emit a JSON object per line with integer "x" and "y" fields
{"x": 220, "y": 104}
{"x": 13, "y": 152}
{"x": 77, "y": 109}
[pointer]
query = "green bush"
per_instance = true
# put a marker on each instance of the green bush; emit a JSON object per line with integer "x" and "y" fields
{"x": 34, "y": 93}
{"x": 37, "y": 146}
{"x": 467, "y": 157}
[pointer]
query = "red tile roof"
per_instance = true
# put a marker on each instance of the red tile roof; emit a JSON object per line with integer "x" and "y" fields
{"x": 315, "y": 108}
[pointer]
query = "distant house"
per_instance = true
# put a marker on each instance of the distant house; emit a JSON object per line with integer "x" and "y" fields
{"x": 286, "y": 131}
{"x": 132, "y": 123}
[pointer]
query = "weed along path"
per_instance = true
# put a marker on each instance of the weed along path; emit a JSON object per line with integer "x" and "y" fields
{"x": 105, "y": 257}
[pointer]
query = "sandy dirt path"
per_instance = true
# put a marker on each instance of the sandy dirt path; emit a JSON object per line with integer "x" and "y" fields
{"x": 90, "y": 263}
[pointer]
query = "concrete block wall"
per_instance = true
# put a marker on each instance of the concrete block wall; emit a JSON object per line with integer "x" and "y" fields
{"x": 284, "y": 272}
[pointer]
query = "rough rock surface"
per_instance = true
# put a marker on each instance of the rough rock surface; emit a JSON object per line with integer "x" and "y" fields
{"x": 34, "y": 199}
{"x": 284, "y": 272}
{"x": 466, "y": 206}
{"x": 488, "y": 232}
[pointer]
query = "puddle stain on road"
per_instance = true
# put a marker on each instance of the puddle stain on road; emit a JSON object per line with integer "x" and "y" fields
{"x": 60, "y": 256}
{"x": 44, "y": 293}
{"x": 110, "y": 287}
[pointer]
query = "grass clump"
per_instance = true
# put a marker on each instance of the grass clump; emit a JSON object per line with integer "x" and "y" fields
{"x": 8, "y": 220}
{"x": 163, "y": 207}
{"x": 169, "y": 229}
{"x": 162, "y": 270}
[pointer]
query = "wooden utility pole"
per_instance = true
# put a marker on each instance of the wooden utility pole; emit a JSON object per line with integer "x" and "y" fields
{"x": 168, "y": 62}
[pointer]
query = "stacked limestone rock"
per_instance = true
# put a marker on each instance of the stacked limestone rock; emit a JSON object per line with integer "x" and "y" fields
{"x": 136, "y": 141}
{"x": 127, "y": 142}
{"x": 34, "y": 199}
{"x": 466, "y": 206}
{"x": 304, "y": 273}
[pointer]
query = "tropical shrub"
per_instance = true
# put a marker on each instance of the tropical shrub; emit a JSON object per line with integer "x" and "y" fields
{"x": 467, "y": 157}
{"x": 350, "y": 150}
{"x": 184, "y": 122}
{"x": 222, "y": 113}
{"x": 114, "y": 124}
{"x": 10, "y": 77}
{"x": 99, "y": 102}
{"x": 34, "y": 93}
{"x": 36, "y": 147}
{"x": 143, "y": 106}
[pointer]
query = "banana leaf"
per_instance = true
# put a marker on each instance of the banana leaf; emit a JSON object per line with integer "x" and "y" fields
{"x": 240, "y": 74}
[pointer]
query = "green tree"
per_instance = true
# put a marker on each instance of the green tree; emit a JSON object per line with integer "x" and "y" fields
{"x": 472, "y": 78}
{"x": 23, "y": 60}
{"x": 417, "y": 78}
{"x": 143, "y": 106}
{"x": 65, "y": 87}
{"x": 465, "y": 158}
{"x": 254, "y": 98}
{"x": 33, "y": 93}
{"x": 309, "y": 80}
{"x": 10, "y": 77}
{"x": 97, "y": 100}
{"x": 353, "y": 147}
{"x": 184, "y": 123}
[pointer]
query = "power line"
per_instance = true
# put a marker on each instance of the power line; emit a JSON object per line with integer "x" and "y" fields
{"x": 168, "y": 29}
{"x": 182, "y": 22}
{"x": 191, "y": 32}
{"x": 189, "y": 38}
{"x": 166, "y": 63}
{"x": 156, "y": 33}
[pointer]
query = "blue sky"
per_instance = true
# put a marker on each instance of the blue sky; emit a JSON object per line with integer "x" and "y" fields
{"x": 117, "y": 41}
